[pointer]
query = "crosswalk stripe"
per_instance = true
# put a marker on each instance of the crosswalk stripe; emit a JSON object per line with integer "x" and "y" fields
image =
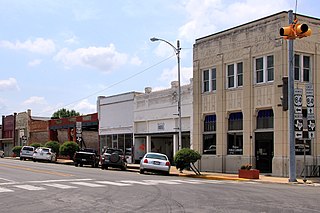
{"x": 113, "y": 183}
{"x": 87, "y": 184}
{"x": 30, "y": 187}
{"x": 5, "y": 190}
{"x": 60, "y": 186}
{"x": 162, "y": 181}
{"x": 188, "y": 181}
{"x": 137, "y": 182}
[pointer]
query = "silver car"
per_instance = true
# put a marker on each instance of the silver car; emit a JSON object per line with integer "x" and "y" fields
{"x": 26, "y": 152}
{"x": 155, "y": 162}
{"x": 44, "y": 154}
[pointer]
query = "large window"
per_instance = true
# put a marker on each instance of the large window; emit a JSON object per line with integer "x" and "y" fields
{"x": 209, "y": 80}
{"x": 235, "y": 75}
{"x": 302, "y": 68}
{"x": 235, "y": 134}
{"x": 264, "y": 69}
{"x": 265, "y": 119}
{"x": 209, "y": 135}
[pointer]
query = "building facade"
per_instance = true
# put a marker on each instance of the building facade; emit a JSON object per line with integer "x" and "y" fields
{"x": 156, "y": 123}
{"x": 237, "y": 112}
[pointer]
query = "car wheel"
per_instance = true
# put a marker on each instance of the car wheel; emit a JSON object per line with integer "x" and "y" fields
{"x": 167, "y": 173}
{"x": 81, "y": 165}
{"x": 76, "y": 165}
{"x": 141, "y": 171}
{"x": 34, "y": 160}
{"x": 21, "y": 158}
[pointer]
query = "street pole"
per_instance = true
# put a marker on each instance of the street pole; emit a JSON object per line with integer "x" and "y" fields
{"x": 291, "y": 135}
{"x": 177, "y": 51}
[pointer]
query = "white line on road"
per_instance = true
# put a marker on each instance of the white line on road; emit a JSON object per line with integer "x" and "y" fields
{"x": 5, "y": 190}
{"x": 137, "y": 182}
{"x": 60, "y": 186}
{"x": 62, "y": 180}
{"x": 30, "y": 187}
{"x": 162, "y": 181}
{"x": 113, "y": 183}
{"x": 87, "y": 184}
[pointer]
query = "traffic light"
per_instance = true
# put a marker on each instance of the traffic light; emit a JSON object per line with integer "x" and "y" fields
{"x": 285, "y": 93}
{"x": 302, "y": 30}
{"x": 295, "y": 30}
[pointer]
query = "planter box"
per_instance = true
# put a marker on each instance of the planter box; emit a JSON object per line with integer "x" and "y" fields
{"x": 249, "y": 174}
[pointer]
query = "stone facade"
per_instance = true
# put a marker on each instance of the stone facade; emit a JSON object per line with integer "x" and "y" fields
{"x": 241, "y": 48}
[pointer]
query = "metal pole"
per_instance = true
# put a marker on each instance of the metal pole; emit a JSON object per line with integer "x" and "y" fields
{"x": 179, "y": 96}
{"x": 291, "y": 135}
{"x": 304, "y": 160}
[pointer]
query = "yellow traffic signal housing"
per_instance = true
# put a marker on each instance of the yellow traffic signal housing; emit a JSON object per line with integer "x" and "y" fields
{"x": 288, "y": 32}
{"x": 295, "y": 30}
{"x": 302, "y": 30}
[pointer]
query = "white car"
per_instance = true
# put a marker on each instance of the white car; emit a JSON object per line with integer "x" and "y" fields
{"x": 155, "y": 162}
{"x": 44, "y": 154}
{"x": 1, "y": 153}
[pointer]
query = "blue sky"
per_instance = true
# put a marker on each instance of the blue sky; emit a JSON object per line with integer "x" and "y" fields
{"x": 63, "y": 54}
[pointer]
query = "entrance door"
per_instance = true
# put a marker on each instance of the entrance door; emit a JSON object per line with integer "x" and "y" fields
{"x": 264, "y": 151}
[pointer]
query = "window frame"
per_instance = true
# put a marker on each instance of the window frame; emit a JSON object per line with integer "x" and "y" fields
{"x": 266, "y": 71}
{"x": 300, "y": 70}
{"x": 210, "y": 84}
{"x": 209, "y": 132}
{"x": 235, "y": 76}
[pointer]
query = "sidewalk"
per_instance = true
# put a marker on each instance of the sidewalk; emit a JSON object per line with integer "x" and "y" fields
{"x": 217, "y": 176}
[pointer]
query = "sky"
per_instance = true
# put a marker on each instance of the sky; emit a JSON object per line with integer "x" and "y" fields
{"x": 65, "y": 53}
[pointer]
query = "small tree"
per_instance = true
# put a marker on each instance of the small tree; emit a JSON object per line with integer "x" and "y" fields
{"x": 54, "y": 145}
{"x": 185, "y": 159}
{"x": 68, "y": 148}
{"x": 16, "y": 150}
{"x": 36, "y": 145}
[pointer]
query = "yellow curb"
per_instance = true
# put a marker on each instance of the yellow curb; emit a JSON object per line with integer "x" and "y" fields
{"x": 214, "y": 177}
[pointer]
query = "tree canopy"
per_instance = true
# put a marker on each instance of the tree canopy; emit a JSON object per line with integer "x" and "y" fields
{"x": 64, "y": 113}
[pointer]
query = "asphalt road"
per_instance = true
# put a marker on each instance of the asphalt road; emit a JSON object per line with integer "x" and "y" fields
{"x": 26, "y": 186}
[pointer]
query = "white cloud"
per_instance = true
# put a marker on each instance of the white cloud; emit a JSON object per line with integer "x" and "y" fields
{"x": 102, "y": 58}
{"x": 169, "y": 75}
{"x": 135, "y": 60}
{"x": 35, "y": 100}
{"x": 9, "y": 84}
{"x": 39, "y": 45}
{"x": 34, "y": 62}
{"x": 85, "y": 107}
{"x": 208, "y": 16}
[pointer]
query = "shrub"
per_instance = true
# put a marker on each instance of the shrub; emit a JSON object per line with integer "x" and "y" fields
{"x": 36, "y": 145}
{"x": 184, "y": 158}
{"x": 54, "y": 145}
{"x": 246, "y": 167}
{"x": 16, "y": 150}
{"x": 68, "y": 148}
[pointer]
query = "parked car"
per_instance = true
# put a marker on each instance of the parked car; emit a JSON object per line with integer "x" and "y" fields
{"x": 86, "y": 157}
{"x": 44, "y": 154}
{"x": 155, "y": 162}
{"x": 113, "y": 158}
{"x": 1, "y": 153}
{"x": 26, "y": 152}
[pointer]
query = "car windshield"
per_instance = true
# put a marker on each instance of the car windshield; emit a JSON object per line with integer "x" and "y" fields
{"x": 28, "y": 148}
{"x": 45, "y": 150}
{"x": 155, "y": 156}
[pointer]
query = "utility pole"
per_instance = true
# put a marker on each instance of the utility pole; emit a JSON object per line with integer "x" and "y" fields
{"x": 291, "y": 134}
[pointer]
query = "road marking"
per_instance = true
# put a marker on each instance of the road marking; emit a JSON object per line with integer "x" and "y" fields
{"x": 30, "y": 187}
{"x": 188, "y": 181}
{"x": 137, "y": 182}
{"x": 5, "y": 190}
{"x": 162, "y": 181}
{"x": 61, "y": 180}
{"x": 113, "y": 183}
{"x": 87, "y": 184}
{"x": 60, "y": 186}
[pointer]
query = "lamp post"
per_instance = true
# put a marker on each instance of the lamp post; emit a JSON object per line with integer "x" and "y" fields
{"x": 177, "y": 51}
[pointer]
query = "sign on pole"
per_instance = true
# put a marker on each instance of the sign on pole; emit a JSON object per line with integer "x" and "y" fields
{"x": 298, "y": 119}
{"x": 311, "y": 122}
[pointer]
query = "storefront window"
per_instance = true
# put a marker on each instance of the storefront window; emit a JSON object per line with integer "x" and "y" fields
{"x": 235, "y": 144}
{"x": 209, "y": 135}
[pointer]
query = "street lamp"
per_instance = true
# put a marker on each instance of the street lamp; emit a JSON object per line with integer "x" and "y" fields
{"x": 177, "y": 51}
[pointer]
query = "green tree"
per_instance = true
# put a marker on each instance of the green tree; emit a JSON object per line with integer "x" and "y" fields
{"x": 64, "y": 113}
{"x": 36, "y": 145}
{"x": 16, "y": 150}
{"x": 54, "y": 145}
{"x": 68, "y": 148}
{"x": 185, "y": 159}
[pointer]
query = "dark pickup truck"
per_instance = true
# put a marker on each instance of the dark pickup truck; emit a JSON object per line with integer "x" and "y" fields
{"x": 86, "y": 157}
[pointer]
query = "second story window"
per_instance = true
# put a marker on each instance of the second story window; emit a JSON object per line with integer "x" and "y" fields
{"x": 264, "y": 69}
{"x": 209, "y": 80}
{"x": 235, "y": 75}
{"x": 302, "y": 68}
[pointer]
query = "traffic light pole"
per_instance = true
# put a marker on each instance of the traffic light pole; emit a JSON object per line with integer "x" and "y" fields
{"x": 291, "y": 135}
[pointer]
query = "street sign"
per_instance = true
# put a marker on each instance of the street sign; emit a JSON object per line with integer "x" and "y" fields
{"x": 310, "y": 101}
{"x": 298, "y": 125}
{"x": 311, "y": 135}
{"x": 297, "y": 110}
{"x": 298, "y": 134}
{"x": 311, "y": 125}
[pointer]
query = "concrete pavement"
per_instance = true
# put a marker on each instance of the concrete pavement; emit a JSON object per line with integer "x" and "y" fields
{"x": 219, "y": 176}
